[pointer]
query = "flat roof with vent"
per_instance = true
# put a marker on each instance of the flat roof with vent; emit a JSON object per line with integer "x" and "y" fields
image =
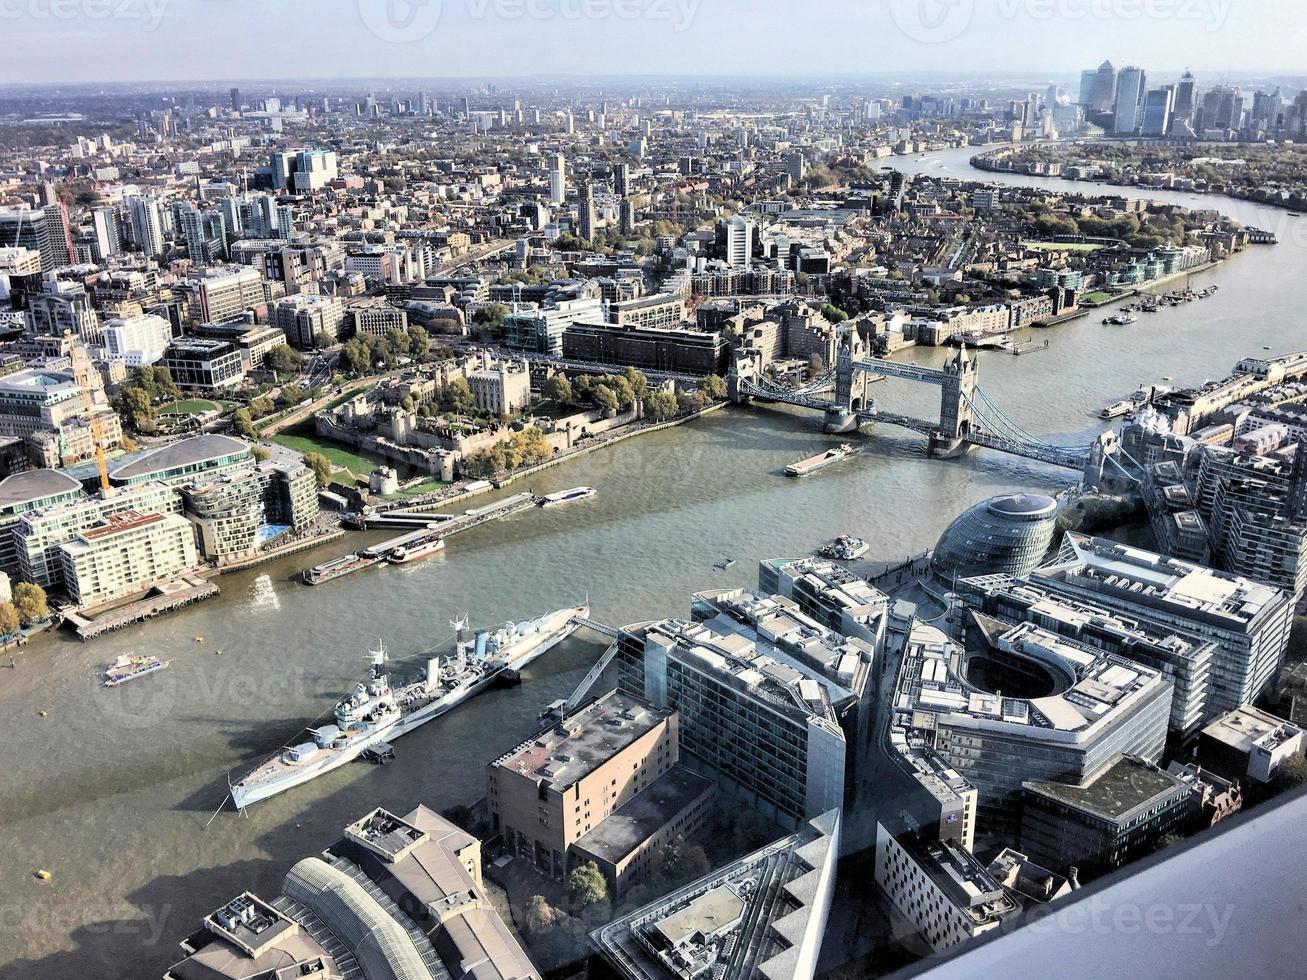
{"x": 567, "y": 752}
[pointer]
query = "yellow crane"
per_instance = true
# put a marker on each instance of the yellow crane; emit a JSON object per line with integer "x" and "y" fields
{"x": 82, "y": 369}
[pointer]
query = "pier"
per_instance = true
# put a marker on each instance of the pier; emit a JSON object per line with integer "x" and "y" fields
{"x": 422, "y": 528}
{"x": 174, "y": 595}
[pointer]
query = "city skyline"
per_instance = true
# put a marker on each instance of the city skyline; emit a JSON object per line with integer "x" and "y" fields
{"x": 197, "y": 40}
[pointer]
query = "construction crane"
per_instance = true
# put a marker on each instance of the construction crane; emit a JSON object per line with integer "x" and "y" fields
{"x": 82, "y": 369}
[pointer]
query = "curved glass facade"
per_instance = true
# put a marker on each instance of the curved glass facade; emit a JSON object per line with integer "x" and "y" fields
{"x": 1005, "y": 535}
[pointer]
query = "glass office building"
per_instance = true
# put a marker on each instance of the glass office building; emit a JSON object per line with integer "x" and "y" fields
{"x": 1006, "y": 535}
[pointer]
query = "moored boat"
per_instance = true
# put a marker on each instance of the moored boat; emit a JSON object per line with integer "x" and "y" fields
{"x": 814, "y": 463}
{"x": 129, "y": 668}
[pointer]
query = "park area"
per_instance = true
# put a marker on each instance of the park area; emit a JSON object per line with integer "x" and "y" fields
{"x": 303, "y": 438}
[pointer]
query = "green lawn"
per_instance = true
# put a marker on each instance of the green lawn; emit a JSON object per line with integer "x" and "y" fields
{"x": 191, "y": 406}
{"x": 1095, "y": 298}
{"x": 303, "y": 438}
{"x": 426, "y": 486}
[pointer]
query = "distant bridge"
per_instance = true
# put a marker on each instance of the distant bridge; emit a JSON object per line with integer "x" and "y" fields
{"x": 967, "y": 416}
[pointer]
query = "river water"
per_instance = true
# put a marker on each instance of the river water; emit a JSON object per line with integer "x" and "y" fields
{"x": 113, "y": 790}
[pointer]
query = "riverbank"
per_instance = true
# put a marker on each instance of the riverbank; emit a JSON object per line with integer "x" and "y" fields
{"x": 986, "y": 162}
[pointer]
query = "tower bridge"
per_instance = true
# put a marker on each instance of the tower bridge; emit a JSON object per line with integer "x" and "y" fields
{"x": 967, "y": 416}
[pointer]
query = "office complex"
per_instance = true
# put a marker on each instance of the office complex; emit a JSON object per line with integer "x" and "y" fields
{"x": 763, "y": 915}
{"x": 1104, "y": 822}
{"x": 394, "y": 897}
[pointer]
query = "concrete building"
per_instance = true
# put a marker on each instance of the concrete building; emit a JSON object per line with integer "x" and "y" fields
{"x": 238, "y": 512}
{"x": 658, "y": 310}
{"x": 223, "y": 293}
{"x": 127, "y": 554}
{"x": 375, "y": 316}
{"x": 305, "y": 316}
{"x": 30, "y": 490}
{"x": 137, "y": 340}
{"x": 692, "y": 933}
{"x": 1248, "y": 745}
{"x": 945, "y": 703}
{"x": 1105, "y": 822}
{"x": 186, "y": 461}
{"x": 205, "y": 364}
{"x": 683, "y": 351}
{"x": 945, "y": 892}
{"x": 547, "y": 794}
{"x": 1248, "y": 621}
{"x": 762, "y": 722}
{"x": 394, "y": 897}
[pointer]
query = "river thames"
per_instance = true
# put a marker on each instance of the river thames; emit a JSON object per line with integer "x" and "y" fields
{"x": 113, "y": 790}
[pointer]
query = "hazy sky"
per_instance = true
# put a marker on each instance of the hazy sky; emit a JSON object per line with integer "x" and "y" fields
{"x": 111, "y": 40}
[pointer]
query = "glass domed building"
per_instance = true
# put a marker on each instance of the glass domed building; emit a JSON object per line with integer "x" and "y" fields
{"x": 1006, "y": 535}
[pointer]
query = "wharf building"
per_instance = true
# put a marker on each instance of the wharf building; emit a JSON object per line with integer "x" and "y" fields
{"x": 761, "y": 722}
{"x": 394, "y": 897}
{"x": 125, "y": 555}
{"x": 603, "y": 785}
{"x": 1249, "y": 621}
{"x": 1099, "y": 706}
{"x": 764, "y": 915}
{"x": 1104, "y": 822}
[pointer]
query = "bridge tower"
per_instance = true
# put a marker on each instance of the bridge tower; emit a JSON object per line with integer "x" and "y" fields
{"x": 840, "y": 417}
{"x": 744, "y": 367}
{"x": 956, "y": 394}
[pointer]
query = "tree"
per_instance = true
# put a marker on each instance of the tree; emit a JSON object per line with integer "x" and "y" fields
{"x": 30, "y": 602}
{"x": 261, "y": 406}
{"x": 260, "y": 453}
{"x": 321, "y": 467}
{"x": 458, "y": 396}
{"x": 833, "y": 313}
{"x": 714, "y": 387}
{"x": 244, "y": 426}
{"x": 491, "y": 315}
{"x": 605, "y": 398}
{"x": 1289, "y": 775}
{"x": 9, "y": 622}
{"x": 638, "y": 381}
{"x": 540, "y": 915}
{"x": 323, "y": 340}
{"x": 586, "y": 885}
{"x": 419, "y": 343}
{"x": 815, "y": 364}
{"x": 660, "y": 404}
{"x": 557, "y": 389}
{"x": 135, "y": 406}
{"x": 283, "y": 360}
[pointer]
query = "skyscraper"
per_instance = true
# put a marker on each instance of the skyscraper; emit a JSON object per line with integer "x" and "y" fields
{"x": 1103, "y": 93}
{"x": 587, "y": 218}
{"x": 1158, "y": 105}
{"x": 236, "y": 99}
{"x": 1129, "y": 100}
{"x": 558, "y": 180}
{"x": 147, "y": 224}
{"x": 1183, "y": 110}
{"x": 108, "y": 241}
{"x": 622, "y": 179}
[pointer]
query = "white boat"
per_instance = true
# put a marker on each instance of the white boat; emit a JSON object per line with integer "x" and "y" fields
{"x": 567, "y": 496}
{"x": 1117, "y": 409}
{"x": 416, "y": 552}
{"x": 844, "y": 548}
{"x": 377, "y": 713}
{"x": 129, "y": 668}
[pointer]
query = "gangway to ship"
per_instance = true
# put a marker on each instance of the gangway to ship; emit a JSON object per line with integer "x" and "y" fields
{"x": 592, "y": 677}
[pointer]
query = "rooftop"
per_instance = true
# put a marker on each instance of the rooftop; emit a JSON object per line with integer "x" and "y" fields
{"x": 34, "y": 486}
{"x": 1123, "y": 787}
{"x": 564, "y": 754}
{"x": 633, "y": 823}
{"x": 1247, "y": 727}
{"x": 187, "y": 452}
